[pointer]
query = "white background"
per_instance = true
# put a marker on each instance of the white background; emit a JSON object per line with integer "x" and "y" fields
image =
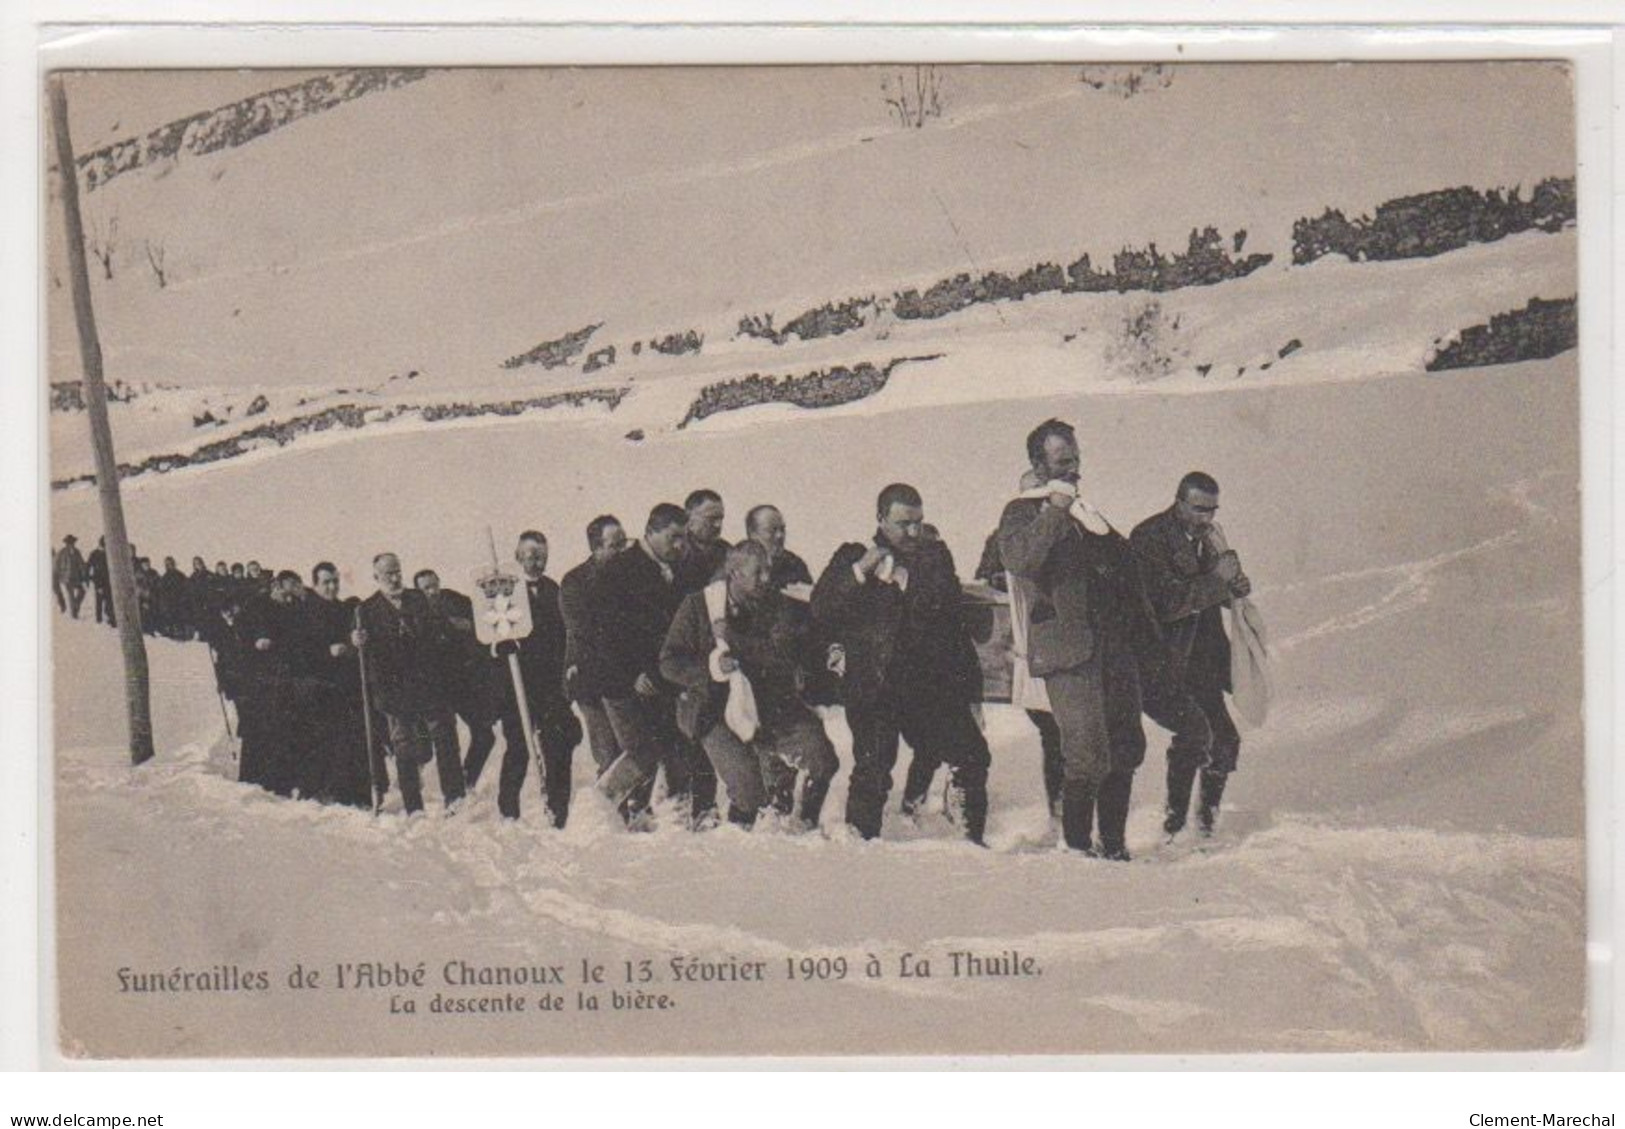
{"x": 1248, "y": 1096}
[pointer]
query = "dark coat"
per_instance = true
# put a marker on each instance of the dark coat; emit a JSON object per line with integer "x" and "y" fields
{"x": 96, "y": 568}
{"x": 632, "y": 606}
{"x": 327, "y": 622}
{"x": 583, "y": 646}
{"x": 69, "y": 567}
{"x": 770, "y": 642}
{"x": 788, "y": 569}
{"x": 1187, "y": 598}
{"x": 541, "y": 656}
{"x": 698, "y": 567}
{"x": 405, "y": 653}
{"x": 464, "y": 661}
{"x": 898, "y": 642}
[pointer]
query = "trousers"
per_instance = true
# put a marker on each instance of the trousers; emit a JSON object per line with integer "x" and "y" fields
{"x": 945, "y": 731}
{"x": 415, "y": 739}
{"x": 799, "y": 745}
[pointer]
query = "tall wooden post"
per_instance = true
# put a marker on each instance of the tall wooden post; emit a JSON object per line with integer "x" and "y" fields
{"x": 121, "y": 566}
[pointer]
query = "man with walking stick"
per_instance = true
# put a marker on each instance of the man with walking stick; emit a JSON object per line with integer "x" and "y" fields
{"x": 402, "y": 642}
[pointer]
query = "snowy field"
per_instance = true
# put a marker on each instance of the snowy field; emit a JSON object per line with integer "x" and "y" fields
{"x": 1400, "y": 862}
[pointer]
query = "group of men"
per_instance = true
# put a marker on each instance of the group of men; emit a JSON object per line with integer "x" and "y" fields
{"x": 171, "y": 603}
{"x": 676, "y": 654}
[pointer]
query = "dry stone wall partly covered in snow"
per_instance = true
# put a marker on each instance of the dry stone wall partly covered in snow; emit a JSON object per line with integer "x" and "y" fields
{"x": 824, "y": 388}
{"x": 1534, "y": 332}
{"x": 1432, "y": 223}
{"x": 240, "y": 122}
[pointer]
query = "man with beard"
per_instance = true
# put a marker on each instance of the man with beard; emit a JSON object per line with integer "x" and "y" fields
{"x": 632, "y": 607}
{"x": 541, "y": 670}
{"x": 1087, "y": 637}
{"x": 583, "y": 660}
{"x": 1190, "y": 574}
{"x": 344, "y": 770}
{"x": 742, "y": 624}
{"x": 466, "y": 677}
{"x": 271, "y": 724}
{"x": 893, "y": 606}
{"x": 402, "y": 642}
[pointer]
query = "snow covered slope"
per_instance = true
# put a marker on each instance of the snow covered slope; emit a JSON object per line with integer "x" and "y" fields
{"x": 1401, "y": 859}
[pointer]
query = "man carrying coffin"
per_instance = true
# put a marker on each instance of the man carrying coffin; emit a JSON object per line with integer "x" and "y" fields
{"x": 738, "y": 648}
{"x": 1088, "y": 636}
{"x": 893, "y": 605}
{"x": 583, "y": 663}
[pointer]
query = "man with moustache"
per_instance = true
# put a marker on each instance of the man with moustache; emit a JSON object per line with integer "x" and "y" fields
{"x": 751, "y": 627}
{"x": 403, "y": 643}
{"x": 468, "y": 683}
{"x": 893, "y": 604}
{"x": 1191, "y": 574}
{"x": 765, "y": 525}
{"x": 789, "y": 574}
{"x": 632, "y": 607}
{"x": 703, "y": 545}
{"x": 541, "y": 670}
{"x": 1087, "y": 630}
{"x": 583, "y": 662}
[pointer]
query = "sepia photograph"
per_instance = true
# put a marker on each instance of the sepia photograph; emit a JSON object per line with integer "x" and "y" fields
{"x": 824, "y": 560}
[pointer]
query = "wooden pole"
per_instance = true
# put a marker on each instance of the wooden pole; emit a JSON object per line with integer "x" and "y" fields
{"x": 121, "y": 567}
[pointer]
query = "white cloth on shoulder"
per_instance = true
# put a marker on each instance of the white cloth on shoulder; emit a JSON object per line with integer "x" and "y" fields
{"x": 1082, "y": 512}
{"x": 1027, "y": 691}
{"x": 739, "y": 714}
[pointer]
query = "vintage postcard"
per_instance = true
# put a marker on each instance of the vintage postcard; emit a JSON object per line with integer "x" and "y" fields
{"x": 816, "y": 560}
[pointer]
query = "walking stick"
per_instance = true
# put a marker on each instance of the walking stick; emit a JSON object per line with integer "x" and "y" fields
{"x": 379, "y": 786}
{"x": 214, "y": 664}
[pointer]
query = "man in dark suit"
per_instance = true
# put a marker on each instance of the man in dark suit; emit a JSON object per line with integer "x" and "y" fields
{"x": 97, "y": 569}
{"x": 632, "y": 608}
{"x": 404, "y": 644}
{"x": 893, "y": 605}
{"x": 468, "y": 683}
{"x": 703, "y": 545}
{"x": 765, "y": 526}
{"x": 68, "y": 573}
{"x": 583, "y": 662}
{"x": 760, "y": 633}
{"x": 541, "y": 669}
{"x": 1190, "y": 574}
{"x": 348, "y": 770}
{"x": 273, "y": 723}
{"x": 1085, "y": 635}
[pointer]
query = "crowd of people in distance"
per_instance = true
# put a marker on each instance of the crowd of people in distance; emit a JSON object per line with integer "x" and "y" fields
{"x": 676, "y": 656}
